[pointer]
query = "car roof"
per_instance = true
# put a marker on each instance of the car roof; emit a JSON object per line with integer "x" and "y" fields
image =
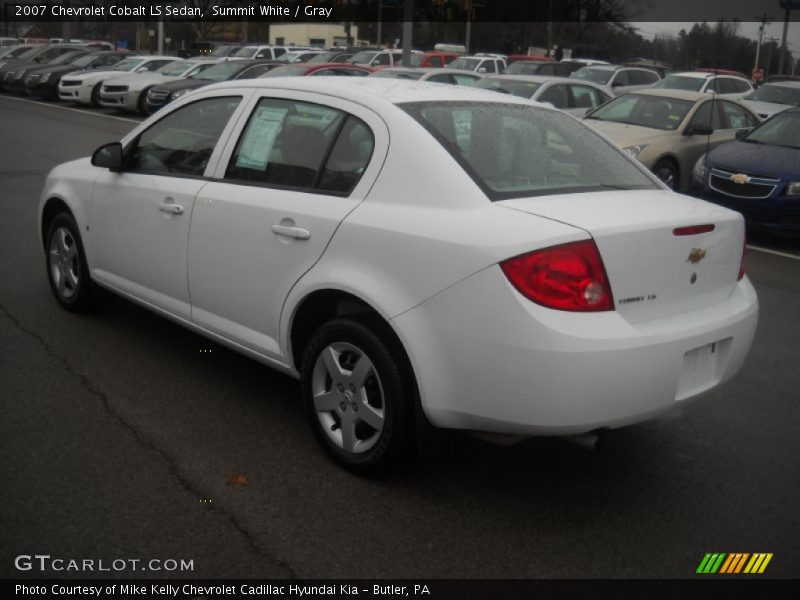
{"x": 666, "y": 93}
{"x": 375, "y": 91}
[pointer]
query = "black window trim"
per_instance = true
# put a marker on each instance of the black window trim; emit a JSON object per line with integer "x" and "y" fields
{"x": 326, "y": 156}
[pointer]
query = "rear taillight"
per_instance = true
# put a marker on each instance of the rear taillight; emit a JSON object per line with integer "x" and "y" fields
{"x": 567, "y": 277}
{"x": 741, "y": 264}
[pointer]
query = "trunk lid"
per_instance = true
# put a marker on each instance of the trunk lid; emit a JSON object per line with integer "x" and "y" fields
{"x": 653, "y": 272}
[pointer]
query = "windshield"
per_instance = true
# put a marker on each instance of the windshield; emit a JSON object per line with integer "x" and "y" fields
{"x": 174, "y": 68}
{"x": 523, "y": 89}
{"x": 32, "y": 53}
{"x": 85, "y": 60}
{"x": 289, "y": 57}
{"x": 287, "y": 71}
{"x": 680, "y": 82}
{"x": 599, "y": 76}
{"x": 655, "y": 112}
{"x": 222, "y": 51}
{"x": 220, "y": 72}
{"x": 66, "y": 58}
{"x": 128, "y": 64}
{"x": 468, "y": 64}
{"x": 777, "y": 94}
{"x": 246, "y": 52}
{"x": 362, "y": 57}
{"x": 399, "y": 74}
{"x": 523, "y": 67}
{"x": 514, "y": 151}
{"x": 323, "y": 57}
{"x": 781, "y": 130}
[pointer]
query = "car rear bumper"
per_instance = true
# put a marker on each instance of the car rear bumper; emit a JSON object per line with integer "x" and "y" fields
{"x": 488, "y": 359}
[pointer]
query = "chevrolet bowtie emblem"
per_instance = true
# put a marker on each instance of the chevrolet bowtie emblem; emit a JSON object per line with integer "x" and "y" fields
{"x": 696, "y": 255}
{"x": 740, "y": 178}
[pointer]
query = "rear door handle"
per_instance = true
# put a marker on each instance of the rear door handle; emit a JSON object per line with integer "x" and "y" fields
{"x": 169, "y": 206}
{"x": 297, "y": 233}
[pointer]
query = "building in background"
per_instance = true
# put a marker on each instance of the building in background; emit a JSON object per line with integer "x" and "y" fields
{"x": 323, "y": 35}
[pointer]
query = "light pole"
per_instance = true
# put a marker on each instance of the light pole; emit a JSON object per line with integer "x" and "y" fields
{"x": 408, "y": 25}
{"x": 380, "y": 22}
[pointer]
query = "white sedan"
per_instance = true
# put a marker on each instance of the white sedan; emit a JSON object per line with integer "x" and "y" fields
{"x": 574, "y": 97}
{"x": 413, "y": 253}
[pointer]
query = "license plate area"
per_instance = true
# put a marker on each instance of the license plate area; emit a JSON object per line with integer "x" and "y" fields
{"x": 702, "y": 368}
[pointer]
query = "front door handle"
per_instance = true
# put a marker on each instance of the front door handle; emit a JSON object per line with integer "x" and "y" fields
{"x": 291, "y": 231}
{"x": 169, "y": 206}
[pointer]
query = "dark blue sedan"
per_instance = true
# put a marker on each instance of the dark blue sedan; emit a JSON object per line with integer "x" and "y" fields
{"x": 758, "y": 174}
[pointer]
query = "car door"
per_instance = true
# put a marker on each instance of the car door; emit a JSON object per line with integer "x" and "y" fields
{"x": 285, "y": 181}
{"x": 140, "y": 215}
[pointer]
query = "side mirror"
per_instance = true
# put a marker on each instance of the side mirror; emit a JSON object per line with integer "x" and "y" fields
{"x": 698, "y": 130}
{"x": 740, "y": 133}
{"x": 108, "y": 157}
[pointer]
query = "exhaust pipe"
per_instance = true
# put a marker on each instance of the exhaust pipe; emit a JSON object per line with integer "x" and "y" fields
{"x": 588, "y": 441}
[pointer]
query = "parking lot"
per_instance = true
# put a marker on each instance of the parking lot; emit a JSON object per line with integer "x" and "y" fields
{"x": 125, "y": 436}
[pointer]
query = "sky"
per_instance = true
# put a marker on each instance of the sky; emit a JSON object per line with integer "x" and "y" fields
{"x": 748, "y": 29}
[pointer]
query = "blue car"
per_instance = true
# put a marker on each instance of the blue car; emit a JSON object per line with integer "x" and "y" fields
{"x": 758, "y": 174}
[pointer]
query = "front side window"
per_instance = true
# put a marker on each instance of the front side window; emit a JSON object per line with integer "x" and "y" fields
{"x": 621, "y": 79}
{"x": 737, "y": 117}
{"x": 301, "y": 145}
{"x": 586, "y": 97}
{"x": 708, "y": 116}
{"x": 382, "y": 59}
{"x": 515, "y": 151}
{"x": 557, "y": 95}
{"x": 182, "y": 142}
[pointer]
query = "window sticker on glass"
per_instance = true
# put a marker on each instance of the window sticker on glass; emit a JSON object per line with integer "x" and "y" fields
{"x": 261, "y": 133}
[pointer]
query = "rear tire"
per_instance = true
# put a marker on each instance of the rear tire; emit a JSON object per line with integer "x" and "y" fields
{"x": 356, "y": 396}
{"x": 67, "y": 271}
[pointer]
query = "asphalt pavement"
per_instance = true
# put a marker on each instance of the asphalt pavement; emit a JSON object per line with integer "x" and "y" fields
{"x": 124, "y": 436}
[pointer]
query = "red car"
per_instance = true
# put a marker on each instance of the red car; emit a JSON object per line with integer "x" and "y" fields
{"x": 306, "y": 69}
{"x": 433, "y": 59}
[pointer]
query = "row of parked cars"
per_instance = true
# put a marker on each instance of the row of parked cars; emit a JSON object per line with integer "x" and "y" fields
{"x": 670, "y": 124}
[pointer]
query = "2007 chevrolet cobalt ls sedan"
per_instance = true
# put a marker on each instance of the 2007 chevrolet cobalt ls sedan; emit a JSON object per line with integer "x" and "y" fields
{"x": 411, "y": 251}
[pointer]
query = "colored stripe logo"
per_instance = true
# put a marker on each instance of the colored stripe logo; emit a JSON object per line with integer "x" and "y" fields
{"x": 734, "y": 563}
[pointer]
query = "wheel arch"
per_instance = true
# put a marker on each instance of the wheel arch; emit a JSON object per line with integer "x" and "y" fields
{"x": 52, "y": 207}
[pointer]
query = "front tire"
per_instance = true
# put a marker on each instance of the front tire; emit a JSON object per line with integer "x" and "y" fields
{"x": 95, "y": 101}
{"x": 667, "y": 172}
{"x": 67, "y": 271}
{"x": 356, "y": 396}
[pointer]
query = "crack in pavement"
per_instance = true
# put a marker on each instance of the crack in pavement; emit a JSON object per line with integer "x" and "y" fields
{"x": 187, "y": 485}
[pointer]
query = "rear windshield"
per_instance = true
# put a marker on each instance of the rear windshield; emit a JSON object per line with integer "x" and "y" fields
{"x": 599, "y": 76}
{"x": 656, "y": 112}
{"x": 777, "y": 94}
{"x": 514, "y": 151}
{"x": 678, "y": 82}
{"x": 523, "y": 89}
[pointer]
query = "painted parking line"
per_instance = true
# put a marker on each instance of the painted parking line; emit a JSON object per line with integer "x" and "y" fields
{"x": 78, "y": 110}
{"x": 775, "y": 252}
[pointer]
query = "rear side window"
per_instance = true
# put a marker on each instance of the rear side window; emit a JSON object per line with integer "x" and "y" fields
{"x": 515, "y": 151}
{"x": 302, "y": 146}
{"x": 650, "y": 76}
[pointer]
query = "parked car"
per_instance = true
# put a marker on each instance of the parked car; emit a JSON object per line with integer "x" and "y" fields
{"x": 758, "y": 174}
{"x": 44, "y": 83}
{"x": 379, "y": 58}
{"x": 162, "y": 94}
{"x": 537, "y": 67}
{"x": 9, "y": 52}
{"x": 331, "y": 57}
{"x": 772, "y": 98}
{"x": 574, "y": 97}
{"x": 308, "y": 69}
{"x": 616, "y": 79}
{"x": 84, "y": 87}
{"x": 14, "y": 81}
{"x": 298, "y": 56}
{"x": 441, "y": 75}
{"x": 433, "y": 59}
{"x": 8, "y": 41}
{"x": 724, "y": 86}
{"x": 264, "y": 51}
{"x": 37, "y": 56}
{"x": 668, "y": 130}
{"x": 479, "y": 64}
{"x": 278, "y": 217}
{"x": 225, "y": 50}
{"x": 129, "y": 92}
{"x": 512, "y": 58}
